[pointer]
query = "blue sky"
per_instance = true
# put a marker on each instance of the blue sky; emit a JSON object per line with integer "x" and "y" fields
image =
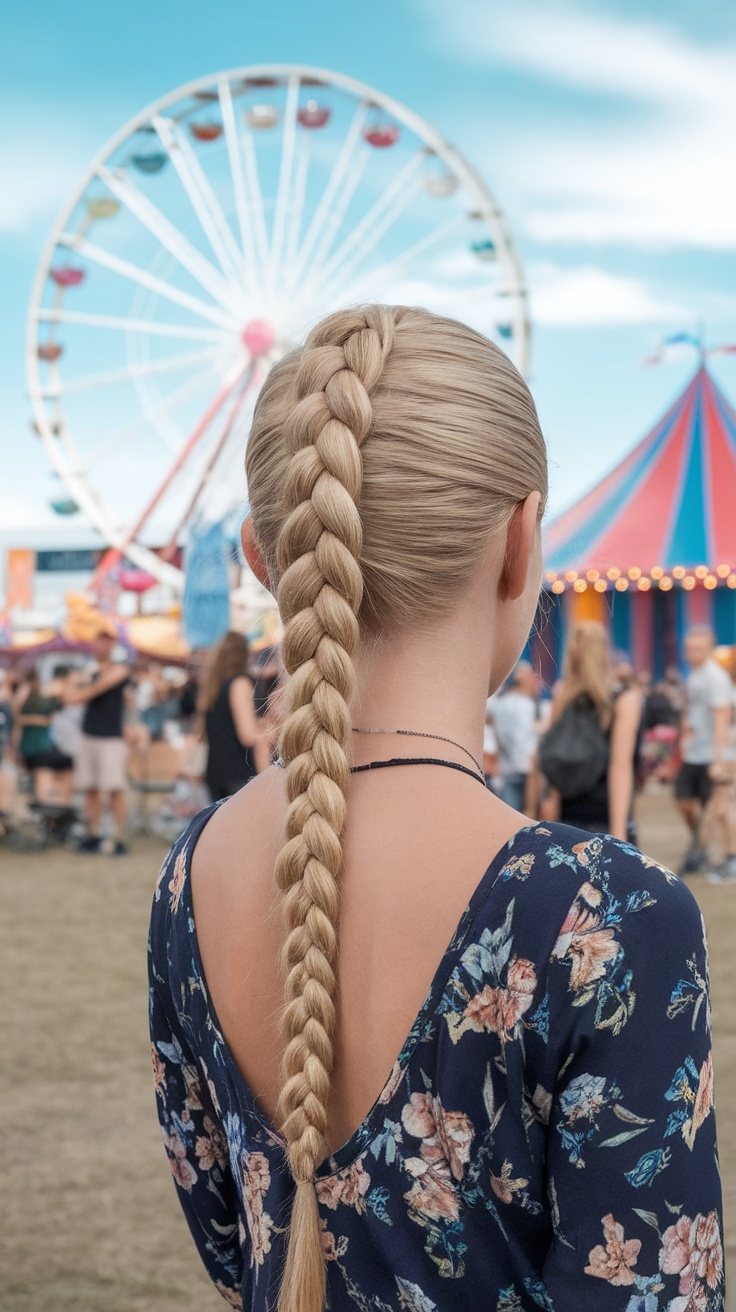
{"x": 605, "y": 130}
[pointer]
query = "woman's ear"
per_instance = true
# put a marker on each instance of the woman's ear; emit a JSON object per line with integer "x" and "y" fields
{"x": 252, "y": 553}
{"x": 521, "y": 536}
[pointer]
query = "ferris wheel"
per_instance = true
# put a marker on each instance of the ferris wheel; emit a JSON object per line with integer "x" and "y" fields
{"x": 203, "y": 241}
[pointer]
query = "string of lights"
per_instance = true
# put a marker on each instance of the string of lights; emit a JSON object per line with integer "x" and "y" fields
{"x": 620, "y": 580}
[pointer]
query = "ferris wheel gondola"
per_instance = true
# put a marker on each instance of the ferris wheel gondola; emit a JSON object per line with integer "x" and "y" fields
{"x": 200, "y": 245}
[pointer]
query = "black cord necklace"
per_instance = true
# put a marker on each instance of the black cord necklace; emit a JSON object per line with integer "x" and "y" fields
{"x": 438, "y": 737}
{"x": 417, "y": 760}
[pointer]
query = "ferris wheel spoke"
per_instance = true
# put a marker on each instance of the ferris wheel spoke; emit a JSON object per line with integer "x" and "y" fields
{"x": 169, "y": 236}
{"x": 370, "y": 240}
{"x": 137, "y": 369}
{"x": 242, "y": 205}
{"x": 285, "y": 178}
{"x": 151, "y": 326}
{"x": 255, "y": 193}
{"x": 149, "y": 416}
{"x": 125, "y": 269}
{"x": 203, "y": 199}
{"x": 399, "y": 262}
{"x": 297, "y": 209}
{"x": 340, "y": 208}
{"x": 325, "y": 205}
{"x": 396, "y": 198}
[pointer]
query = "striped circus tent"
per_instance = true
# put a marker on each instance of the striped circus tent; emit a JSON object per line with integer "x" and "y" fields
{"x": 651, "y": 549}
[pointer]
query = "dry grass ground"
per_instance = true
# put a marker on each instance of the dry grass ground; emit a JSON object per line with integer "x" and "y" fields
{"x": 90, "y": 1218}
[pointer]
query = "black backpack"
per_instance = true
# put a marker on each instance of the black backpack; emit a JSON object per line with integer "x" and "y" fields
{"x": 573, "y": 754}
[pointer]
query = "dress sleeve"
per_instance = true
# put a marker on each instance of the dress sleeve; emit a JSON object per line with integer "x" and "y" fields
{"x": 193, "y": 1136}
{"x": 631, "y": 1169}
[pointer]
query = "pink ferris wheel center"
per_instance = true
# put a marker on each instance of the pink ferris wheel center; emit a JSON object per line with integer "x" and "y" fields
{"x": 200, "y": 244}
{"x": 258, "y": 338}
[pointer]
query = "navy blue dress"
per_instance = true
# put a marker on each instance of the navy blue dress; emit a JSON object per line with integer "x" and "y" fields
{"x": 545, "y": 1139}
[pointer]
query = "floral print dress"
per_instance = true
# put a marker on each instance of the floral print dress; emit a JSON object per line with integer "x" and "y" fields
{"x": 546, "y": 1137}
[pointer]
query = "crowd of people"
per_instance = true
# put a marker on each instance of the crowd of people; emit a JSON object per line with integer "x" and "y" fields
{"x": 581, "y": 751}
{"x": 68, "y": 733}
{"x": 578, "y": 752}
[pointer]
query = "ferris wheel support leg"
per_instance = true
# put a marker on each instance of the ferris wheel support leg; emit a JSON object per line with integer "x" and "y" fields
{"x": 251, "y": 380}
{"x": 116, "y": 553}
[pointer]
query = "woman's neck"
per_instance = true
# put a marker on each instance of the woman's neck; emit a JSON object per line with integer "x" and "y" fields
{"x": 432, "y": 681}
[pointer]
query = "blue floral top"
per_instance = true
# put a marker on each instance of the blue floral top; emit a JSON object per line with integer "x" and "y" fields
{"x": 546, "y": 1137}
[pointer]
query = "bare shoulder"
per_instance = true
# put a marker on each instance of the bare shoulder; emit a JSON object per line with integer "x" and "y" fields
{"x": 628, "y": 704}
{"x": 248, "y": 826}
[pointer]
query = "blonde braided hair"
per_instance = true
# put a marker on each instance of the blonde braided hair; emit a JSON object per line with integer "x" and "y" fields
{"x": 362, "y": 535}
{"x": 319, "y": 595}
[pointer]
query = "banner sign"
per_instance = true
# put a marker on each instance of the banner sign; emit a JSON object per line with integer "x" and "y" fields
{"x": 67, "y": 561}
{"x": 20, "y": 569}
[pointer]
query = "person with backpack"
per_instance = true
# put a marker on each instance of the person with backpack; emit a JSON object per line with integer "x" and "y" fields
{"x": 589, "y": 751}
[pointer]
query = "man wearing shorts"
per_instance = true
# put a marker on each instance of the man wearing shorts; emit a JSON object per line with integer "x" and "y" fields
{"x": 705, "y": 724}
{"x": 101, "y": 758}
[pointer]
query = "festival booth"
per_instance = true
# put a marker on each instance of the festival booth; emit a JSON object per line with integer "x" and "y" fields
{"x": 651, "y": 549}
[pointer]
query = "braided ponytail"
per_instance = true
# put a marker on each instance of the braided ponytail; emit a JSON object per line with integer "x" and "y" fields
{"x": 455, "y": 446}
{"x": 319, "y": 595}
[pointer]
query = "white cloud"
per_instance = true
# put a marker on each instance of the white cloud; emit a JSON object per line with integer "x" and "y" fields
{"x": 39, "y": 164}
{"x": 590, "y": 297}
{"x": 565, "y": 297}
{"x": 667, "y": 178}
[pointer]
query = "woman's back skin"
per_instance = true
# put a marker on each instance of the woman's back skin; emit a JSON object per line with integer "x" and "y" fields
{"x": 417, "y": 842}
{"x": 397, "y": 476}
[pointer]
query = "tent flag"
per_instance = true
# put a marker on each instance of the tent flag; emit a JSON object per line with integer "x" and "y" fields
{"x": 666, "y": 351}
{"x": 206, "y": 604}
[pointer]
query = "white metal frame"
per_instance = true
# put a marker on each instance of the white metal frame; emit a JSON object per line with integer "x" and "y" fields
{"x": 283, "y": 256}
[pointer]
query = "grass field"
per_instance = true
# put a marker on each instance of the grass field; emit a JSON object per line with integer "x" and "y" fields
{"x": 90, "y": 1218}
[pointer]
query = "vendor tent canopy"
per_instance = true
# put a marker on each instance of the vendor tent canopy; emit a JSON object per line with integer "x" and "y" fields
{"x": 651, "y": 549}
{"x": 669, "y": 505}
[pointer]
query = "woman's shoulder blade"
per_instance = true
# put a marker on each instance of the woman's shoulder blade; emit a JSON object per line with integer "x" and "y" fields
{"x": 548, "y": 868}
{"x": 174, "y": 872}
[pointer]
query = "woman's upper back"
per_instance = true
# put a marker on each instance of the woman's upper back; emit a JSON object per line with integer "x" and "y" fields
{"x": 526, "y": 1117}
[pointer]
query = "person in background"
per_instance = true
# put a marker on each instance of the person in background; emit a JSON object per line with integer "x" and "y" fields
{"x": 588, "y": 675}
{"x": 269, "y": 695}
{"x": 188, "y": 697}
{"x": 705, "y": 725}
{"x": 673, "y": 686}
{"x": 623, "y": 672}
{"x": 237, "y": 743}
{"x": 50, "y": 768}
{"x": 6, "y": 714}
{"x": 720, "y": 819}
{"x": 66, "y": 724}
{"x": 6, "y": 738}
{"x": 100, "y": 765}
{"x": 514, "y": 717}
{"x": 267, "y": 674}
{"x": 490, "y": 748}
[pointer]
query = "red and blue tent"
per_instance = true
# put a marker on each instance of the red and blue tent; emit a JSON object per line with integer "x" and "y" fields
{"x": 652, "y": 547}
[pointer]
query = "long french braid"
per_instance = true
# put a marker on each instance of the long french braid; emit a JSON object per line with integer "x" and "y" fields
{"x": 319, "y": 595}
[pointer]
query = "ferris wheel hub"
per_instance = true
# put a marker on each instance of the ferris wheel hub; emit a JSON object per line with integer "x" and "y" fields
{"x": 200, "y": 216}
{"x": 258, "y": 337}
